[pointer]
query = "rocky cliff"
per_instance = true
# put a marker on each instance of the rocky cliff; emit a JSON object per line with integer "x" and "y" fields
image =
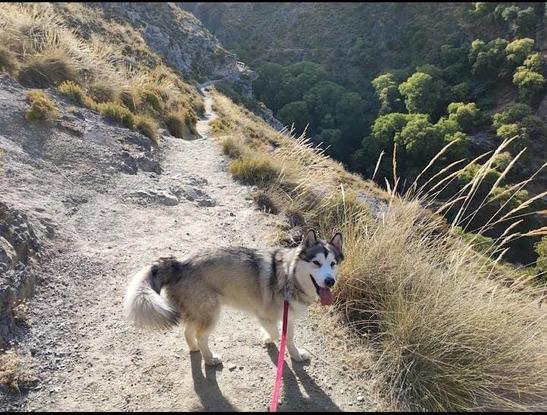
{"x": 181, "y": 39}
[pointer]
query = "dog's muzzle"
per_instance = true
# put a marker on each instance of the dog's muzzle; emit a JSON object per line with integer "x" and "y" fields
{"x": 324, "y": 293}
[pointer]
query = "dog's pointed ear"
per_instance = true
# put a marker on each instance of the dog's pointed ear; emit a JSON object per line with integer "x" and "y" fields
{"x": 310, "y": 239}
{"x": 336, "y": 241}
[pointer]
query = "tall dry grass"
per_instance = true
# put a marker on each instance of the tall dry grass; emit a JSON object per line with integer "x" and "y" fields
{"x": 443, "y": 331}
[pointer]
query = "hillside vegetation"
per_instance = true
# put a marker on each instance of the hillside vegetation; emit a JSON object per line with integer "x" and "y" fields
{"x": 449, "y": 329}
{"x": 426, "y": 312}
{"x": 405, "y": 80}
{"x": 96, "y": 63}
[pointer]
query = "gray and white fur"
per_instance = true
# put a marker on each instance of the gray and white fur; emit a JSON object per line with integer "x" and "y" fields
{"x": 256, "y": 281}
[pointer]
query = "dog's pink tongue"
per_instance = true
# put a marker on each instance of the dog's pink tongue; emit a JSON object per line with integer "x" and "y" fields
{"x": 326, "y": 296}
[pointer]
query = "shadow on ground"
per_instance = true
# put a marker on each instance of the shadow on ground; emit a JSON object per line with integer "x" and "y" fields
{"x": 212, "y": 399}
{"x": 293, "y": 399}
{"x": 206, "y": 387}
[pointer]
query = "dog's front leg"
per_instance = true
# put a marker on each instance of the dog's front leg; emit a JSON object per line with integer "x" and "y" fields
{"x": 296, "y": 354}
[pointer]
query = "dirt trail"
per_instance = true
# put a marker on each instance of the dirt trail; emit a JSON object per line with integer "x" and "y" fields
{"x": 89, "y": 358}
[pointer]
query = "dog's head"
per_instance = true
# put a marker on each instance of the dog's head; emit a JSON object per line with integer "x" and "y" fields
{"x": 317, "y": 265}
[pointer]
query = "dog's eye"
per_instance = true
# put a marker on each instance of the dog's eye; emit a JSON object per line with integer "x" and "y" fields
{"x": 317, "y": 263}
{"x": 332, "y": 264}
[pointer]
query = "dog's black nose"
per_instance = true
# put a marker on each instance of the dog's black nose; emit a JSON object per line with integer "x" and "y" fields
{"x": 329, "y": 282}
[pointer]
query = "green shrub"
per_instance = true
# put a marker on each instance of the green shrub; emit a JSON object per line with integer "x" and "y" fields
{"x": 513, "y": 113}
{"x": 8, "y": 61}
{"x": 47, "y": 70}
{"x": 531, "y": 84}
{"x": 466, "y": 115}
{"x": 518, "y": 50}
{"x": 116, "y": 112}
{"x": 541, "y": 250}
{"x": 254, "y": 169}
{"x": 502, "y": 160}
{"x": 42, "y": 108}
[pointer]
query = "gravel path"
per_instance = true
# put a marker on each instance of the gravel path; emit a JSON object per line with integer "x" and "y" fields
{"x": 88, "y": 357}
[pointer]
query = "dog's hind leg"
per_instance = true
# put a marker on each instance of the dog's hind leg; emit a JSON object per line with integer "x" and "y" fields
{"x": 271, "y": 332}
{"x": 190, "y": 336}
{"x": 204, "y": 329}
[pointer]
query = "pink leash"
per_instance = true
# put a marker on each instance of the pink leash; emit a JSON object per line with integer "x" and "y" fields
{"x": 280, "y": 359}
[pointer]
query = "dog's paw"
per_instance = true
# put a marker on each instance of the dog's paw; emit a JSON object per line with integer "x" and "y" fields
{"x": 267, "y": 339}
{"x": 215, "y": 360}
{"x": 300, "y": 355}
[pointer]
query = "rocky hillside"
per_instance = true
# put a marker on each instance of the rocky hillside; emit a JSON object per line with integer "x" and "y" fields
{"x": 180, "y": 39}
{"x": 103, "y": 71}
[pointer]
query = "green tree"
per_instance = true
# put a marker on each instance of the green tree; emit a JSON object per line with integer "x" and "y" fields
{"x": 295, "y": 113}
{"x": 531, "y": 84}
{"x": 387, "y": 91}
{"x": 488, "y": 59}
{"x": 513, "y": 113}
{"x": 422, "y": 93}
{"x": 466, "y": 115}
{"x": 270, "y": 79}
{"x": 322, "y": 99}
{"x": 420, "y": 140}
{"x": 518, "y": 50}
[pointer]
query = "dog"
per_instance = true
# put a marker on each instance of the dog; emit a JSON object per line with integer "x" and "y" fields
{"x": 256, "y": 281}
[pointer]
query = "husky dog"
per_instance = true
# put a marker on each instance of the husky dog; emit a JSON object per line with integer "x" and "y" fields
{"x": 256, "y": 281}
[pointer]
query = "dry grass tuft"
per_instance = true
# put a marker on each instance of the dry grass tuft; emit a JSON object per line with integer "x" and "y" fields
{"x": 47, "y": 69}
{"x": 116, "y": 112}
{"x": 232, "y": 147}
{"x": 181, "y": 124}
{"x": 76, "y": 94}
{"x": 14, "y": 371}
{"x": 129, "y": 99}
{"x": 147, "y": 126}
{"x": 266, "y": 202}
{"x": 8, "y": 61}
{"x": 103, "y": 92}
{"x": 255, "y": 169}
{"x": 42, "y": 108}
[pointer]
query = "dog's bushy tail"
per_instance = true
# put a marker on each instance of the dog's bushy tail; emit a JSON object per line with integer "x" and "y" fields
{"x": 143, "y": 303}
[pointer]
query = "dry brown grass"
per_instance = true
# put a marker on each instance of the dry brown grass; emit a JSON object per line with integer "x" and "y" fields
{"x": 255, "y": 169}
{"x": 103, "y": 92}
{"x": 76, "y": 94}
{"x": 14, "y": 371}
{"x": 115, "y": 112}
{"x": 44, "y": 39}
{"x": 49, "y": 68}
{"x": 8, "y": 61}
{"x": 426, "y": 319}
{"x": 232, "y": 147}
{"x": 147, "y": 126}
{"x": 42, "y": 108}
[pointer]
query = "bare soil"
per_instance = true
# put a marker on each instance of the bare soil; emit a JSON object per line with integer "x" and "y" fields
{"x": 107, "y": 224}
